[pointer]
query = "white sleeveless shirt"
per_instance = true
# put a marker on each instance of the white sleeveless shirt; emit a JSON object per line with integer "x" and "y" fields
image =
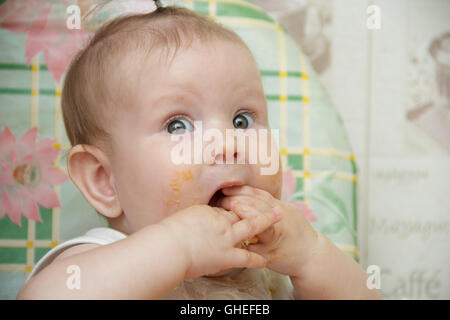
{"x": 239, "y": 284}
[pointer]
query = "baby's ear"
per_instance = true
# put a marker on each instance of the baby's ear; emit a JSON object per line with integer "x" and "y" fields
{"x": 90, "y": 170}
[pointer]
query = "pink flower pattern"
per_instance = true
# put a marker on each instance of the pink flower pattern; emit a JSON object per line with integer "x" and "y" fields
{"x": 44, "y": 21}
{"x": 27, "y": 174}
{"x": 45, "y": 24}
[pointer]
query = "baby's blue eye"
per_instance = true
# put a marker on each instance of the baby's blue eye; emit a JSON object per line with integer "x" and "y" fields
{"x": 243, "y": 121}
{"x": 179, "y": 126}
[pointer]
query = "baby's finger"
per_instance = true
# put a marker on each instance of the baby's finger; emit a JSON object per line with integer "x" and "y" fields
{"x": 248, "y": 191}
{"x": 247, "y": 207}
{"x": 265, "y": 237}
{"x": 245, "y": 211}
{"x": 241, "y": 258}
{"x": 249, "y": 227}
{"x": 229, "y": 202}
{"x": 257, "y": 248}
{"x": 244, "y": 206}
{"x": 231, "y": 216}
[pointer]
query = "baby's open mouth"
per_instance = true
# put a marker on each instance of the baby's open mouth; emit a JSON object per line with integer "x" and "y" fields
{"x": 217, "y": 196}
{"x": 215, "y": 199}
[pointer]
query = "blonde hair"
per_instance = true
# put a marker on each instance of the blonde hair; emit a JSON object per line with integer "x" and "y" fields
{"x": 88, "y": 99}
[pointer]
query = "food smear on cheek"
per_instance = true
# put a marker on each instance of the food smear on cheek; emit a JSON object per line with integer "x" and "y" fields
{"x": 278, "y": 185}
{"x": 181, "y": 176}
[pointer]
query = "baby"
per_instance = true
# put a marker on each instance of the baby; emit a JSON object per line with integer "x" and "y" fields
{"x": 180, "y": 231}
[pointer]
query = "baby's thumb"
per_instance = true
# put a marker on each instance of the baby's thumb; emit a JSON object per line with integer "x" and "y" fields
{"x": 257, "y": 248}
{"x": 247, "y": 259}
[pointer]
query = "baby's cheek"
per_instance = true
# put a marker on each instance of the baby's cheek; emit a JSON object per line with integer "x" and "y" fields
{"x": 272, "y": 183}
{"x": 276, "y": 181}
{"x": 181, "y": 191}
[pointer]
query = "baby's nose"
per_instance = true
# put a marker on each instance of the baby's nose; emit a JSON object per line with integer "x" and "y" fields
{"x": 221, "y": 157}
{"x": 224, "y": 151}
{"x": 222, "y": 147}
{"x": 227, "y": 153}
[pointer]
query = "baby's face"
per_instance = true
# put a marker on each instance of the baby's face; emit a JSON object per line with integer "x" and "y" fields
{"x": 218, "y": 84}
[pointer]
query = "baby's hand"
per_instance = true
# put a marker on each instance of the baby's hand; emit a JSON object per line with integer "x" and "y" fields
{"x": 288, "y": 244}
{"x": 210, "y": 236}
